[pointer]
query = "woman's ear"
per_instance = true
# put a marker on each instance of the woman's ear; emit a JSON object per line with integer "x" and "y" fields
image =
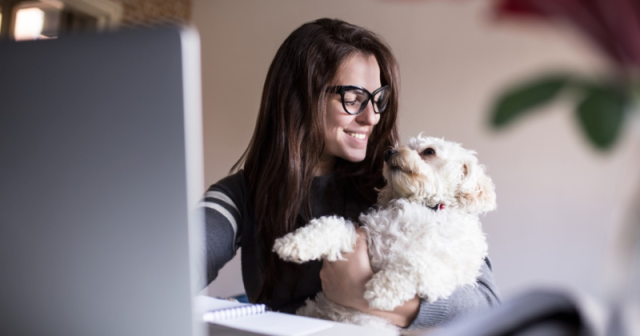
{"x": 476, "y": 193}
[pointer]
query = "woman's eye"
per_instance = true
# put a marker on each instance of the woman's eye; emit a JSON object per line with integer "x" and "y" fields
{"x": 429, "y": 151}
{"x": 352, "y": 102}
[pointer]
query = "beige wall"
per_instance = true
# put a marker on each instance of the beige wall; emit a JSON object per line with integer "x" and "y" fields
{"x": 558, "y": 199}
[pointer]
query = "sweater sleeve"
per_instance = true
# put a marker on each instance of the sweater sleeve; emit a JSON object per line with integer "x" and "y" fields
{"x": 223, "y": 208}
{"x": 463, "y": 301}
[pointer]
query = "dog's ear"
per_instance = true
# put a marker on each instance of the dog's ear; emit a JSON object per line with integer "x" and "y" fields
{"x": 477, "y": 193}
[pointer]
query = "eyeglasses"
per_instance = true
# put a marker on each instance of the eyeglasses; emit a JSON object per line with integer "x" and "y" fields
{"x": 355, "y": 98}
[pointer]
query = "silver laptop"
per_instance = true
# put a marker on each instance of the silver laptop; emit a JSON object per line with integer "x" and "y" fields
{"x": 100, "y": 164}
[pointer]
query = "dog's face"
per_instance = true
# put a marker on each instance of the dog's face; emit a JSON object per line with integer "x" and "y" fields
{"x": 435, "y": 171}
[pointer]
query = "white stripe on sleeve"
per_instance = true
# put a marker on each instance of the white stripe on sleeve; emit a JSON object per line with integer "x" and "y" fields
{"x": 223, "y": 212}
{"x": 220, "y": 196}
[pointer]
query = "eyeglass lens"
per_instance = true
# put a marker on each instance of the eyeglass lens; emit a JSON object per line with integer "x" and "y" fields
{"x": 355, "y": 100}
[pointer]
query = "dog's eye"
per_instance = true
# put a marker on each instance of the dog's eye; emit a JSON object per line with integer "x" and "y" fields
{"x": 428, "y": 151}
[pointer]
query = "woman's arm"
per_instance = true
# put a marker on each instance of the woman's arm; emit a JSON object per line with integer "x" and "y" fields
{"x": 463, "y": 301}
{"x": 222, "y": 206}
{"x": 344, "y": 283}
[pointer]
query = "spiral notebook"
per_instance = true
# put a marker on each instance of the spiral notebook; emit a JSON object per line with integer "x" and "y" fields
{"x": 233, "y": 312}
{"x": 255, "y": 318}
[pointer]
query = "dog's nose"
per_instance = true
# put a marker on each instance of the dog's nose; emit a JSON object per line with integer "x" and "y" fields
{"x": 389, "y": 153}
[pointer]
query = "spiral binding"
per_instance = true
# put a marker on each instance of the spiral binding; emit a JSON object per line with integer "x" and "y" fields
{"x": 233, "y": 312}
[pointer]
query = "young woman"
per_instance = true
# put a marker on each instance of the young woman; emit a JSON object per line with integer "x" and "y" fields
{"x": 328, "y": 111}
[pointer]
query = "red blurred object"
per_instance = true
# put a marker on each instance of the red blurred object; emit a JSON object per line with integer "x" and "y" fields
{"x": 613, "y": 25}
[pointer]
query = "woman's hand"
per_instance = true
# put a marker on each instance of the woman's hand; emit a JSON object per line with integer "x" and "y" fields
{"x": 343, "y": 282}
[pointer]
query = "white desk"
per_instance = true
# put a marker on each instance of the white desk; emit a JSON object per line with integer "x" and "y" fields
{"x": 338, "y": 329}
{"x": 274, "y": 322}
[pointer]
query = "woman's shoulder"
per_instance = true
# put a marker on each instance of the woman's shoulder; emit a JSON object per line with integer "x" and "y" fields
{"x": 233, "y": 184}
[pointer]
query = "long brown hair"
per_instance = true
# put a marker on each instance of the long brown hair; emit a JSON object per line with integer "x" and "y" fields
{"x": 285, "y": 149}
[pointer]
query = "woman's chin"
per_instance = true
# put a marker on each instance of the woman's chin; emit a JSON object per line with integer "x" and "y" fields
{"x": 355, "y": 156}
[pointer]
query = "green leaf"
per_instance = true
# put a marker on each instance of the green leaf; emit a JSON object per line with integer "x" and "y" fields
{"x": 525, "y": 97}
{"x": 601, "y": 114}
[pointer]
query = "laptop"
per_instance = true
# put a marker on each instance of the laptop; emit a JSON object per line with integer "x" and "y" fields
{"x": 100, "y": 165}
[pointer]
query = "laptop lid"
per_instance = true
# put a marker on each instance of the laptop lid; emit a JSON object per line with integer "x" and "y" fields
{"x": 100, "y": 147}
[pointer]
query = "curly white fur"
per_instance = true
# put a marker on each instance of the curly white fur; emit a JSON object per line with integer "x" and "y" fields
{"x": 414, "y": 249}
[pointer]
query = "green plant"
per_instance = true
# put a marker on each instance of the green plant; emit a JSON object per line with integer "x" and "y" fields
{"x": 601, "y": 105}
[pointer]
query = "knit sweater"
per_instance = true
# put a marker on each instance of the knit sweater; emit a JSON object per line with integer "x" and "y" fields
{"x": 230, "y": 226}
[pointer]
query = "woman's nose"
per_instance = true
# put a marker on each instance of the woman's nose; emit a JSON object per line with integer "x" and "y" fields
{"x": 368, "y": 116}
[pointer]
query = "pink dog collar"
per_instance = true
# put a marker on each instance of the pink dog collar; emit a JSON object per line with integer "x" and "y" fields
{"x": 437, "y": 207}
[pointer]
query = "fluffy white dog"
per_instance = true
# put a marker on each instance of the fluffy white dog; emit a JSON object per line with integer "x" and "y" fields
{"x": 424, "y": 237}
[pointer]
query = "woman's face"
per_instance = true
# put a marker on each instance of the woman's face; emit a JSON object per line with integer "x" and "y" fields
{"x": 346, "y": 135}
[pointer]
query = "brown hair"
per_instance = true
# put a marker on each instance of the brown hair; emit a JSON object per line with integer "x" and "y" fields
{"x": 285, "y": 149}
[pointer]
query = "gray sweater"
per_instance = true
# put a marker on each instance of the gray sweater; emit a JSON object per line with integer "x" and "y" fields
{"x": 230, "y": 225}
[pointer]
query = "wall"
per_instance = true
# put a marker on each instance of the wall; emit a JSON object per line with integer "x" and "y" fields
{"x": 559, "y": 201}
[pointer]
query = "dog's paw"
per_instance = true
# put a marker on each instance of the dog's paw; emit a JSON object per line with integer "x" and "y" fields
{"x": 289, "y": 249}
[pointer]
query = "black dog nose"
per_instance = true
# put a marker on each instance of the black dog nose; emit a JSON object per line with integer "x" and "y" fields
{"x": 389, "y": 153}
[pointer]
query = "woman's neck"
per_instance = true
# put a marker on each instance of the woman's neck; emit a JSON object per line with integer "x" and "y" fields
{"x": 325, "y": 166}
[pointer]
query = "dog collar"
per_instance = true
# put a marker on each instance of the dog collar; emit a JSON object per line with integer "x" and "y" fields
{"x": 436, "y": 207}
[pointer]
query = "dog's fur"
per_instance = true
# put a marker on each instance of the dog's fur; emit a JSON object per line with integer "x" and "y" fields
{"x": 414, "y": 247}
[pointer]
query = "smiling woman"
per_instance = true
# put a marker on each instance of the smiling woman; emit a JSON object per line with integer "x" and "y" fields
{"x": 328, "y": 113}
{"x": 305, "y": 146}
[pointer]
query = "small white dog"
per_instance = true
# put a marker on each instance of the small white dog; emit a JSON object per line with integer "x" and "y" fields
{"x": 424, "y": 238}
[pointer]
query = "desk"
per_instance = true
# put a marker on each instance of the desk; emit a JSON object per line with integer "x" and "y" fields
{"x": 338, "y": 329}
{"x": 274, "y": 322}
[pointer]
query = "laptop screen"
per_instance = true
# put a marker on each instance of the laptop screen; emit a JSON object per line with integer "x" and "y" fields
{"x": 101, "y": 146}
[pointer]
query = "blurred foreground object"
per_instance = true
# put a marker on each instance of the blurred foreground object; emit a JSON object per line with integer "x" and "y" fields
{"x": 44, "y": 19}
{"x": 537, "y": 313}
{"x": 601, "y": 105}
{"x": 114, "y": 246}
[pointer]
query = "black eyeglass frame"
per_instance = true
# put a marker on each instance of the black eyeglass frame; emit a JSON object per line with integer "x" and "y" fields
{"x": 341, "y": 89}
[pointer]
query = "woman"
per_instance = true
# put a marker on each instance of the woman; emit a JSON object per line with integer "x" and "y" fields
{"x": 328, "y": 111}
